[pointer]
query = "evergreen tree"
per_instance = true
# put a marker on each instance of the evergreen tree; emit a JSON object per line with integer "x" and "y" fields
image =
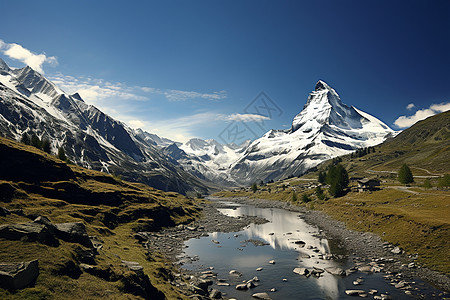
{"x": 45, "y": 145}
{"x": 25, "y": 138}
{"x": 35, "y": 141}
{"x": 337, "y": 178}
{"x": 404, "y": 175}
{"x": 254, "y": 187}
{"x": 322, "y": 177}
{"x": 62, "y": 154}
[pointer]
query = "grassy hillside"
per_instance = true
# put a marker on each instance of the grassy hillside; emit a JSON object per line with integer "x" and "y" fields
{"x": 413, "y": 217}
{"x": 33, "y": 183}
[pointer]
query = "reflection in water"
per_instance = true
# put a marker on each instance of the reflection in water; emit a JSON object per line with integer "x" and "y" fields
{"x": 282, "y": 230}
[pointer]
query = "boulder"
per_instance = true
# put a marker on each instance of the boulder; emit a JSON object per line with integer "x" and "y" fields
{"x": 32, "y": 232}
{"x": 242, "y": 286}
{"x": 301, "y": 271}
{"x": 215, "y": 294}
{"x": 263, "y": 296}
{"x": 396, "y": 250}
{"x": 354, "y": 292}
{"x": 74, "y": 232}
{"x": 336, "y": 271}
{"x": 15, "y": 276}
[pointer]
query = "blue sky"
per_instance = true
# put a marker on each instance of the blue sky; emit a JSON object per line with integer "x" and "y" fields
{"x": 185, "y": 69}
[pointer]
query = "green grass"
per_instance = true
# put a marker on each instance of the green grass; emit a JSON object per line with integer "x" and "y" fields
{"x": 111, "y": 209}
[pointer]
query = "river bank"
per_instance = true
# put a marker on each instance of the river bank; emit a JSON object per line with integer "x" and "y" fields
{"x": 365, "y": 248}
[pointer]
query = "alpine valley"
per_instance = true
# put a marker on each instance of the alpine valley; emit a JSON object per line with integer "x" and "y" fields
{"x": 325, "y": 128}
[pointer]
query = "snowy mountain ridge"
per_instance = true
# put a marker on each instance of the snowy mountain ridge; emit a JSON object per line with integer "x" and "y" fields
{"x": 323, "y": 129}
{"x": 31, "y": 103}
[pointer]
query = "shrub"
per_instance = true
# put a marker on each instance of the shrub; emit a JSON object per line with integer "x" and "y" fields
{"x": 305, "y": 198}
{"x": 444, "y": 181}
{"x": 427, "y": 184}
{"x": 254, "y": 187}
{"x": 294, "y": 197}
{"x": 319, "y": 193}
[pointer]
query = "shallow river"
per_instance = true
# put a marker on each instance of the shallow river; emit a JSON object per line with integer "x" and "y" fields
{"x": 234, "y": 251}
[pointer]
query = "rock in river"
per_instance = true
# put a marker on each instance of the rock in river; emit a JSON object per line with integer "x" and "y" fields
{"x": 263, "y": 296}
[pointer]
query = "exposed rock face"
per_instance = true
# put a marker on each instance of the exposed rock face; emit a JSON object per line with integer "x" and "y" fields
{"x": 15, "y": 276}
{"x": 137, "y": 283}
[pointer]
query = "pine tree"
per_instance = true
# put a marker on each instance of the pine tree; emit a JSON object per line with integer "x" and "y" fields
{"x": 35, "y": 141}
{"x": 254, "y": 187}
{"x": 45, "y": 145}
{"x": 62, "y": 154}
{"x": 322, "y": 177}
{"x": 294, "y": 197}
{"x": 404, "y": 175}
{"x": 25, "y": 138}
{"x": 337, "y": 178}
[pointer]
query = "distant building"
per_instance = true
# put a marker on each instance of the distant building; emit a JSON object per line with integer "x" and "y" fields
{"x": 367, "y": 184}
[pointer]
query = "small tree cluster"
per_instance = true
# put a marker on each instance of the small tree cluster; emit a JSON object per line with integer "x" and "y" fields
{"x": 36, "y": 142}
{"x": 362, "y": 152}
{"x": 404, "y": 175}
{"x": 337, "y": 178}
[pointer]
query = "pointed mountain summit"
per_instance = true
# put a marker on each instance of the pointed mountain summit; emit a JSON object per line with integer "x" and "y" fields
{"x": 325, "y": 128}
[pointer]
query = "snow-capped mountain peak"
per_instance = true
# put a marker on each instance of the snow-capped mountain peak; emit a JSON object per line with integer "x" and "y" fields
{"x": 325, "y": 128}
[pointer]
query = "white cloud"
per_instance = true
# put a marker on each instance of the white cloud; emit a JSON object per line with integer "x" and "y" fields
{"x": 246, "y": 118}
{"x": 35, "y": 61}
{"x": 410, "y": 106}
{"x": 136, "y": 124}
{"x": 93, "y": 90}
{"x": 407, "y": 121}
{"x": 176, "y": 95}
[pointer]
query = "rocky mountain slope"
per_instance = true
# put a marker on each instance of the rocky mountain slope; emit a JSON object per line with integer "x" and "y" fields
{"x": 31, "y": 103}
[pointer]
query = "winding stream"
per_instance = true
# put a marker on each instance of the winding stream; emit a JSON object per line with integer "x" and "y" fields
{"x": 256, "y": 245}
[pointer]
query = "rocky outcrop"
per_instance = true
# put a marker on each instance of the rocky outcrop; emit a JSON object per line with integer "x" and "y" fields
{"x": 14, "y": 276}
{"x": 32, "y": 232}
{"x": 74, "y": 232}
{"x": 43, "y": 231}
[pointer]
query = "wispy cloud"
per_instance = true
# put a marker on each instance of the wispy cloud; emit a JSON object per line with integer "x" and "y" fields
{"x": 407, "y": 121}
{"x": 35, "y": 61}
{"x": 176, "y": 95}
{"x": 178, "y": 129}
{"x": 410, "y": 106}
{"x": 93, "y": 90}
{"x": 246, "y": 118}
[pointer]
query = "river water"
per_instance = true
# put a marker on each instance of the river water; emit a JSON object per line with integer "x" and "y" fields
{"x": 242, "y": 251}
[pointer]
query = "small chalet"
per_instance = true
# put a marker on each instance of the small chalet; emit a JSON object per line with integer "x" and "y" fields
{"x": 367, "y": 184}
